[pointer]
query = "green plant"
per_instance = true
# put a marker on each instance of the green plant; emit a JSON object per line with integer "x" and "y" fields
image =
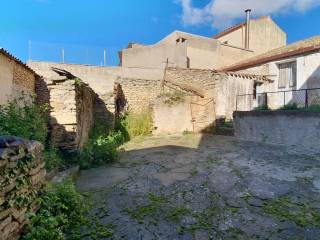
{"x": 28, "y": 120}
{"x": 174, "y": 98}
{"x": 187, "y": 132}
{"x": 286, "y": 209}
{"x": 261, "y": 108}
{"x": 137, "y": 124}
{"x": 313, "y": 107}
{"x": 290, "y": 106}
{"x": 24, "y": 120}
{"x": 100, "y": 148}
{"x": 61, "y": 214}
{"x": 78, "y": 82}
{"x": 227, "y": 124}
{"x": 52, "y": 158}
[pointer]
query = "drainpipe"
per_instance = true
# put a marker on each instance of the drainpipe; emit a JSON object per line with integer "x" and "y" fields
{"x": 247, "y": 37}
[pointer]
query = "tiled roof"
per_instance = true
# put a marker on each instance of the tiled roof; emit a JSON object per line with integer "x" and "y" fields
{"x": 297, "y": 48}
{"x": 9, "y": 55}
{"x": 233, "y": 28}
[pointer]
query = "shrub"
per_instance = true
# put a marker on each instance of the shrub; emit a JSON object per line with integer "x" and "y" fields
{"x": 313, "y": 107}
{"x": 24, "y": 120}
{"x": 52, "y": 158}
{"x": 261, "y": 108}
{"x": 29, "y": 121}
{"x": 61, "y": 214}
{"x": 100, "y": 147}
{"x": 138, "y": 124}
{"x": 290, "y": 106}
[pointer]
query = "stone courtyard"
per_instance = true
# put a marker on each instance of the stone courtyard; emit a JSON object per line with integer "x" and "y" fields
{"x": 206, "y": 187}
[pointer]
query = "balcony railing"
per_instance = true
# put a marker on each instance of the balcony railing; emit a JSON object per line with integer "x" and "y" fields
{"x": 302, "y": 98}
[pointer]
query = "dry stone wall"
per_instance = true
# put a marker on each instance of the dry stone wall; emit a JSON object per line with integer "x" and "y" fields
{"x": 24, "y": 78}
{"x": 139, "y": 93}
{"x": 72, "y": 114}
{"x": 22, "y": 176}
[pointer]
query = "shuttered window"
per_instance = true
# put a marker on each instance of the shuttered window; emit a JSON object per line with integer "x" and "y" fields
{"x": 287, "y": 74}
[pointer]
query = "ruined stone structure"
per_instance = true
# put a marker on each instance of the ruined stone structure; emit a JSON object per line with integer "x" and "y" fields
{"x": 100, "y": 79}
{"x": 17, "y": 80}
{"x": 72, "y": 114}
{"x": 22, "y": 176}
{"x": 78, "y": 102}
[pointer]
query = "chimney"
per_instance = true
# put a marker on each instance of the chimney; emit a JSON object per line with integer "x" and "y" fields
{"x": 247, "y": 37}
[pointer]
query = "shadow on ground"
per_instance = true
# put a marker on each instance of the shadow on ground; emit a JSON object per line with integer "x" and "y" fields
{"x": 206, "y": 187}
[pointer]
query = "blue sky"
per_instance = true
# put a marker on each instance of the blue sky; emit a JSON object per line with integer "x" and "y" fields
{"x": 84, "y": 28}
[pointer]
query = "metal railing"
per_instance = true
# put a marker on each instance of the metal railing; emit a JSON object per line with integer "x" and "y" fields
{"x": 302, "y": 98}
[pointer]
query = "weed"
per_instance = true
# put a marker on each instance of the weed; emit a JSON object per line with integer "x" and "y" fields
{"x": 174, "y": 98}
{"x": 285, "y": 209}
{"x": 100, "y": 148}
{"x": 62, "y": 212}
{"x": 194, "y": 172}
{"x": 135, "y": 124}
{"x": 212, "y": 160}
{"x": 156, "y": 203}
{"x": 290, "y": 106}
{"x": 261, "y": 108}
{"x": 313, "y": 107}
{"x": 24, "y": 120}
{"x": 176, "y": 214}
{"x": 187, "y": 132}
{"x": 29, "y": 121}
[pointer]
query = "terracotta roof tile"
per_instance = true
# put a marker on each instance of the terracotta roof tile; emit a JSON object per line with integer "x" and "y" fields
{"x": 297, "y": 48}
{"x": 9, "y": 55}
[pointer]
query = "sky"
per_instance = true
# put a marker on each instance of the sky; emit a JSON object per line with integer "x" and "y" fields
{"x": 40, "y": 29}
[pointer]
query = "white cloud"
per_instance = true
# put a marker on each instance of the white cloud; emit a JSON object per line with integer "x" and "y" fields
{"x": 221, "y": 13}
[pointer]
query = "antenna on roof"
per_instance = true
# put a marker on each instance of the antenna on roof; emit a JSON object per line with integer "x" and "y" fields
{"x": 29, "y": 50}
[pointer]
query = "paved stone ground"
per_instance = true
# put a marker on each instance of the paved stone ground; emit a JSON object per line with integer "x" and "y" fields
{"x": 206, "y": 187}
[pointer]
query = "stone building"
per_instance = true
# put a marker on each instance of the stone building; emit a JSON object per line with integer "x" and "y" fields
{"x": 75, "y": 105}
{"x": 17, "y": 79}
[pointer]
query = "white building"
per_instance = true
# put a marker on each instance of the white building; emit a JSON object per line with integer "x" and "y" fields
{"x": 295, "y": 71}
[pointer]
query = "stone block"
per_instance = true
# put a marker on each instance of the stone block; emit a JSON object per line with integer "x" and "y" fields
{"x": 19, "y": 215}
{"x": 10, "y": 230}
{"x": 5, "y": 222}
{"x": 39, "y": 178}
{"x": 4, "y": 153}
{"x": 36, "y": 170}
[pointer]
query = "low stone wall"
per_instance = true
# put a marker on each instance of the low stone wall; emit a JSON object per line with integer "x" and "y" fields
{"x": 22, "y": 176}
{"x": 291, "y": 128}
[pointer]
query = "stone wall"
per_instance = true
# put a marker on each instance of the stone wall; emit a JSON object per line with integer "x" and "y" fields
{"x": 299, "y": 129}
{"x": 24, "y": 78}
{"x": 223, "y": 88}
{"x": 100, "y": 79}
{"x": 17, "y": 81}
{"x": 211, "y": 95}
{"x": 22, "y": 176}
{"x": 72, "y": 103}
{"x": 139, "y": 93}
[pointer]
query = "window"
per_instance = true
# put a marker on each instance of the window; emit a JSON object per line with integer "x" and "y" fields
{"x": 287, "y": 74}
{"x": 255, "y": 90}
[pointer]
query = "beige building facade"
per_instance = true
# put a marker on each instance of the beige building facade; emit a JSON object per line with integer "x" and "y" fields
{"x": 16, "y": 79}
{"x": 180, "y": 49}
